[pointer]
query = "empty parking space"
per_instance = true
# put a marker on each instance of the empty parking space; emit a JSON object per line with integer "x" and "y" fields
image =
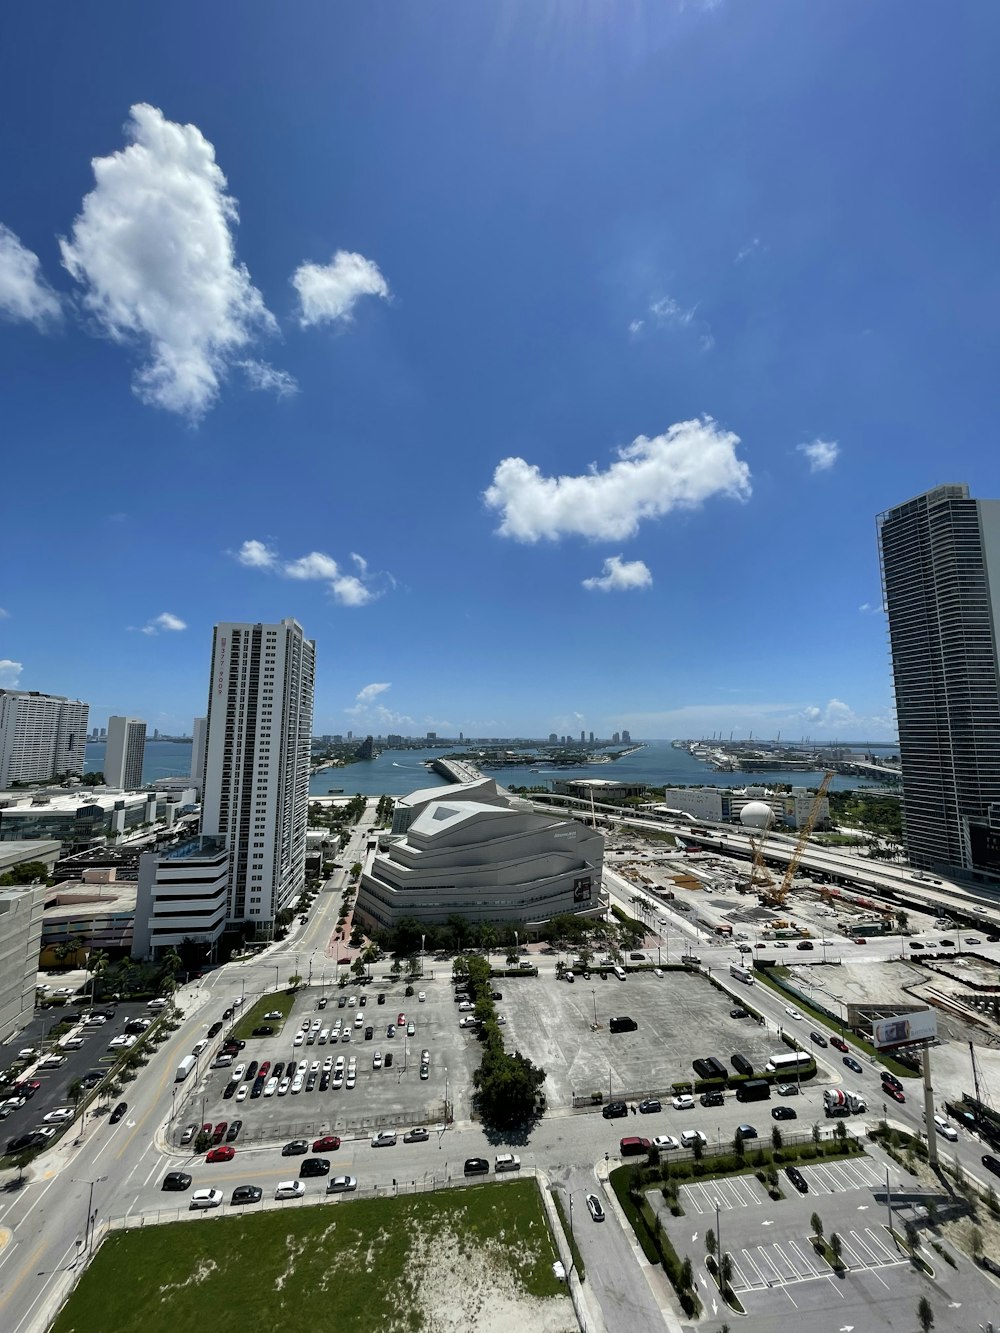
{"x": 731, "y": 1192}
{"x": 789, "y": 1261}
{"x": 679, "y": 1017}
{"x": 838, "y": 1177}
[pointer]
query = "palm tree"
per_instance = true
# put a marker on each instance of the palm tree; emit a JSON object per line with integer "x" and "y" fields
{"x": 901, "y": 921}
{"x": 488, "y": 939}
{"x": 370, "y": 955}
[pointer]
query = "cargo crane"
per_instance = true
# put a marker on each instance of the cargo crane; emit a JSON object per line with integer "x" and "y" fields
{"x": 775, "y": 896}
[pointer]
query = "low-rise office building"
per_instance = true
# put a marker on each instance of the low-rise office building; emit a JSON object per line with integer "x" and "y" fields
{"x": 94, "y": 912}
{"x": 601, "y": 789}
{"x": 45, "y": 851}
{"x": 79, "y": 819}
{"x": 724, "y": 805}
{"x": 182, "y": 895}
{"x": 20, "y": 939}
{"x": 471, "y": 851}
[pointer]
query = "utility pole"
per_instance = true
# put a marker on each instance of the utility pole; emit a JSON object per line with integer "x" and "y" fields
{"x": 932, "y": 1147}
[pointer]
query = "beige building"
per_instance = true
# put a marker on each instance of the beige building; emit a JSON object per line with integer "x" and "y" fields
{"x": 20, "y": 941}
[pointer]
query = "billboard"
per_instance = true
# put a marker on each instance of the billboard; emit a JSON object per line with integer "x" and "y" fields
{"x": 899, "y": 1029}
{"x": 582, "y": 889}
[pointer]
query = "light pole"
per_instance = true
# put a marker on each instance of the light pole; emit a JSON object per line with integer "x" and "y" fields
{"x": 446, "y": 1118}
{"x": 594, "y": 994}
{"x": 422, "y": 939}
{"x": 718, "y": 1239}
{"x": 276, "y": 971}
{"x": 517, "y": 944}
{"x": 571, "y": 1237}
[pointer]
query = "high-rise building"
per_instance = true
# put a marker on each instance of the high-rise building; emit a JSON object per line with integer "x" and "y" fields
{"x": 21, "y": 911}
{"x": 583, "y": 738}
{"x": 591, "y": 738}
{"x": 42, "y": 736}
{"x": 553, "y": 738}
{"x": 104, "y": 734}
{"x": 257, "y": 761}
{"x": 124, "y": 754}
{"x": 940, "y": 558}
{"x": 199, "y": 734}
{"x": 627, "y": 737}
{"x": 615, "y": 738}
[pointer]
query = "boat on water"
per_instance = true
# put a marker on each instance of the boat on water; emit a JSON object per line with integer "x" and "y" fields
{"x": 334, "y": 791}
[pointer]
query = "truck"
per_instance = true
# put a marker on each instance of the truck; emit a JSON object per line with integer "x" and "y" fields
{"x": 185, "y": 1067}
{"x": 837, "y": 1102}
{"x": 741, "y": 973}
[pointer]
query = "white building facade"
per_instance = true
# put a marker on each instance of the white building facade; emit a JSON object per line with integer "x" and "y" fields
{"x": 41, "y": 736}
{"x": 20, "y": 943}
{"x": 199, "y": 735}
{"x": 183, "y": 894}
{"x": 258, "y": 761}
{"x": 124, "y": 753}
{"x": 471, "y": 851}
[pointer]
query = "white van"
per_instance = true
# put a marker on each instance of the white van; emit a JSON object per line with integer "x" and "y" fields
{"x": 619, "y": 972}
{"x": 526, "y": 966}
{"x": 156, "y": 1004}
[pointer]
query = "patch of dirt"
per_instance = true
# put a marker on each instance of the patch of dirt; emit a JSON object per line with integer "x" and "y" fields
{"x": 203, "y": 1271}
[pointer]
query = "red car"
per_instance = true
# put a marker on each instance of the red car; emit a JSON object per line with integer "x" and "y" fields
{"x": 328, "y": 1143}
{"x": 894, "y": 1093}
{"x": 841, "y": 1046}
{"x": 222, "y": 1154}
{"x": 859, "y": 939}
{"x": 264, "y": 1069}
{"x": 219, "y": 1132}
{"x": 400, "y": 1020}
{"x": 207, "y": 1127}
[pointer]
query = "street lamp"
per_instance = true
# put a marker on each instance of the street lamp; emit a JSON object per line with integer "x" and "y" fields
{"x": 422, "y": 938}
{"x": 594, "y": 994}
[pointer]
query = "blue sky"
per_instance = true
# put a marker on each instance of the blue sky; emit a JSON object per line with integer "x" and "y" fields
{"x": 548, "y": 360}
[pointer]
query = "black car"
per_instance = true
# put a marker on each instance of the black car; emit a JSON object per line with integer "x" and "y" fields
{"x": 783, "y": 1113}
{"x": 363, "y": 1001}
{"x": 251, "y": 1070}
{"x": 891, "y": 1081}
{"x": 817, "y": 1038}
{"x": 614, "y": 1111}
{"x": 746, "y": 1132}
{"x": 233, "y": 1045}
{"x": 323, "y": 1003}
{"x": 265, "y": 1030}
{"x": 258, "y": 1086}
{"x": 738, "y": 1013}
{"x": 713, "y": 1098}
{"x": 341, "y": 1001}
{"x": 176, "y": 1180}
{"x": 324, "y": 1081}
{"x": 117, "y": 1113}
{"x": 369, "y": 1033}
{"x": 227, "y": 1014}
{"x": 295, "y": 1148}
{"x": 25, "y": 1141}
{"x": 315, "y": 1166}
{"x": 214, "y": 1030}
{"x": 853, "y": 1064}
{"x": 381, "y": 999}
{"x": 804, "y": 944}
{"x": 649, "y": 1105}
{"x": 991, "y": 1163}
{"x": 797, "y": 1178}
{"x": 233, "y": 1132}
{"x": 498, "y": 995}
{"x": 229, "y": 1090}
{"x": 476, "y": 1166}
{"x": 247, "y": 1194}
{"x": 91, "y": 1079}
{"x": 387, "y": 1063}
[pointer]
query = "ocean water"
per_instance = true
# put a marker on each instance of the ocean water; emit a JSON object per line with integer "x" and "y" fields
{"x": 398, "y": 772}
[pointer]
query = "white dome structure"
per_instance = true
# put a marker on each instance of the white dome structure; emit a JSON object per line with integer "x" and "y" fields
{"x": 756, "y": 814}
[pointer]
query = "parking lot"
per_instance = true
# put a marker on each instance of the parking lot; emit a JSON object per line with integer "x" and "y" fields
{"x": 385, "y": 1091}
{"x": 563, "y": 1027}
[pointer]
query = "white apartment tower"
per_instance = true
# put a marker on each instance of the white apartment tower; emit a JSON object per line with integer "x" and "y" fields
{"x": 257, "y": 761}
{"x": 41, "y": 736}
{"x": 199, "y": 734}
{"x": 124, "y": 753}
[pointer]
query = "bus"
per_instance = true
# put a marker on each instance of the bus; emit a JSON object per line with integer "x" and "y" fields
{"x": 781, "y": 1064}
{"x": 741, "y": 973}
{"x": 185, "y": 1067}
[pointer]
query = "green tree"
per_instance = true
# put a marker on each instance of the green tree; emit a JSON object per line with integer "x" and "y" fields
{"x": 507, "y": 1085}
{"x": 295, "y": 979}
{"x": 816, "y": 1134}
{"x": 710, "y": 1242}
{"x": 840, "y": 1133}
{"x": 396, "y": 968}
{"x": 836, "y": 1247}
{"x": 776, "y": 1139}
{"x": 488, "y": 938}
{"x": 26, "y": 873}
{"x": 816, "y": 1222}
{"x": 21, "y": 1160}
{"x": 976, "y": 1243}
{"x": 925, "y": 1315}
{"x": 686, "y": 1274}
{"x": 726, "y": 1270}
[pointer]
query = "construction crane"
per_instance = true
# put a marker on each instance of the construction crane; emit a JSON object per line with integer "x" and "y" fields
{"x": 775, "y": 896}
{"x": 759, "y": 873}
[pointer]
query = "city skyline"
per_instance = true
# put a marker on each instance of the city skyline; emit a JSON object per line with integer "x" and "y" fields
{"x": 604, "y": 460}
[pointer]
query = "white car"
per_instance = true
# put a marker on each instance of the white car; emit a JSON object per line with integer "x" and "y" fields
{"x": 352, "y": 1003}
{"x": 683, "y": 1102}
{"x": 792, "y": 1012}
{"x": 359, "y": 1022}
{"x": 465, "y": 1006}
{"x": 657, "y": 971}
{"x": 946, "y": 1130}
{"x": 237, "y": 1074}
{"x": 27, "y": 1053}
{"x": 351, "y": 1078}
{"x": 121, "y": 1043}
{"x": 664, "y": 1142}
{"x": 411, "y": 1027}
{"x": 692, "y": 1136}
{"x": 386, "y": 1138}
{"x": 506, "y": 1161}
{"x": 206, "y": 1198}
{"x": 273, "y": 1013}
{"x": 377, "y": 1060}
{"x": 314, "y": 1067}
{"x": 297, "y": 1083}
{"x": 338, "y": 1079}
{"x": 340, "y": 1062}
{"x": 283, "y": 1087}
{"x": 299, "y": 1039}
{"x": 328, "y": 1064}
{"x": 341, "y": 1184}
{"x": 271, "y": 1086}
{"x": 241, "y": 1092}
{"x": 289, "y": 1189}
{"x": 421, "y": 996}
{"x": 425, "y": 1057}
{"x": 55, "y": 1117}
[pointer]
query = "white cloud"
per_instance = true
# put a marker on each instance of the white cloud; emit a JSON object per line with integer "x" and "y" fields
{"x": 620, "y": 575}
{"x": 10, "y": 672}
{"x": 261, "y": 375}
{"x": 329, "y": 292}
{"x": 370, "y": 692}
{"x": 24, "y": 293}
{"x": 822, "y": 454}
{"x": 636, "y": 327}
{"x": 153, "y": 249}
{"x": 747, "y": 250}
{"x": 255, "y": 555}
{"x": 346, "y": 589}
{"x": 680, "y": 469}
{"x": 164, "y": 622}
{"x": 668, "y": 311}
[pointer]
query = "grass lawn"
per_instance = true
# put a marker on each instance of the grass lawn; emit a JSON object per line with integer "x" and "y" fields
{"x": 360, "y": 1266}
{"x": 254, "y": 1016}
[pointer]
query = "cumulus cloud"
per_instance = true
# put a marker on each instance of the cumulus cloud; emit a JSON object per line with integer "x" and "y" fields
{"x": 24, "y": 293}
{"x": 329, "y": 292}
{"x": 620, "y": 575}
{"x": 153, "y": 250}
{"x": 822, "y": 454}
{"x": 370, "y": 692}
{"x": 165, "y": 623}
{"x": 688, "y": 464}
{"x": 10, "y": 671}
{"x": 346, "y": 589}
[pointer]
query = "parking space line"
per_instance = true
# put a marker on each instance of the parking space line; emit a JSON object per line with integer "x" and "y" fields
{"x": 761, "y": 1279}
{"x": 691, "y": 1196}
{"x": 740, "y": 1277}
{"x": 822, "y": 1174}
{"x": 808, "y": 1265}
{"x": 880, "y": 1244}
{"x": 770, "y": 1262}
